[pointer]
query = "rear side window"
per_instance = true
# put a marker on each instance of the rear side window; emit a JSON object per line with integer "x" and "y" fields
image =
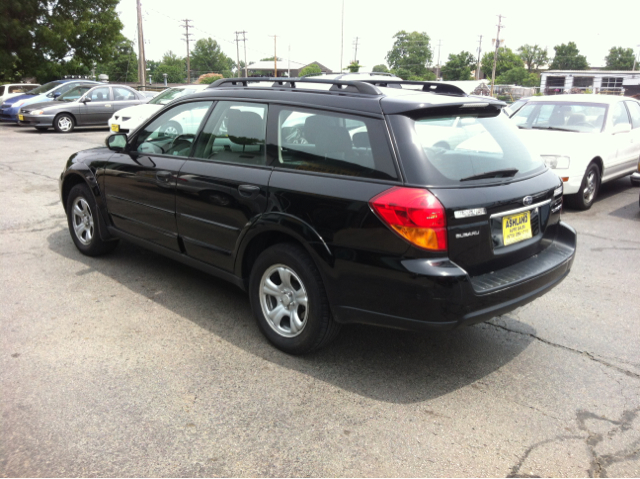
{"x": 453, "y": 149}
{"x": 333, "y": 143}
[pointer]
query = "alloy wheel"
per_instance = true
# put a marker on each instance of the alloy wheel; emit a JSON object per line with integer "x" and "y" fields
{"x": 284, "y": 300}
{"x": 83, "y": 224}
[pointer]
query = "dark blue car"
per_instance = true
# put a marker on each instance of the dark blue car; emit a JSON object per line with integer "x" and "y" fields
{"x": 47, "y": 92}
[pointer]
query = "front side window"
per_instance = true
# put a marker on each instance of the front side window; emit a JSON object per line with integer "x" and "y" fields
{"x": 333, "y": 143}
{"x": 619, "y": 115}
{"x": 236, "y": 133}
{"x": 576, "y": 117}
{"x": 634, "y": 110}
{"x": 463, "y": 148}
{"x": 173, "y": 132}
{"x": 74, "y": 94}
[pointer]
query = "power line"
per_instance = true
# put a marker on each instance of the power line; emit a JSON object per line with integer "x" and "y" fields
{"x": 495, "y": 55}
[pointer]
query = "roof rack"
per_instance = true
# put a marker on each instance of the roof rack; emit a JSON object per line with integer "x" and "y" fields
{"x": 346, "y": 86}
{"x": 433, "y": 87}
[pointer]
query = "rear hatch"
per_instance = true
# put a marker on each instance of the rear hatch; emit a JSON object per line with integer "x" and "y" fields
{"x": 500, "y": 202}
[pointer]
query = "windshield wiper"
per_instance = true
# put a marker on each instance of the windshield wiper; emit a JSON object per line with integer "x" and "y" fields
{"x": 507, "y": 172}
{"x": 552, "y": 128}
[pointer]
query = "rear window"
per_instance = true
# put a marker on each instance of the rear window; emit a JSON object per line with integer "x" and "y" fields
{"x": 462, "y": 148}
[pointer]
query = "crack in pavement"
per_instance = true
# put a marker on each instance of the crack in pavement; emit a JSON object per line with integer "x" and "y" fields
{"x": 631, "y": 374}
{"x": 599, "y": 463}
{"x": 15, "y": 171}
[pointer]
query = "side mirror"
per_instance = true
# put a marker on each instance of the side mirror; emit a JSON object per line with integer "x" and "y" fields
{"x": 622, "y": 128}
{"x": 116, "y": 142}
{"x": 86, "y": 99}
{"x": 56, "y": 94}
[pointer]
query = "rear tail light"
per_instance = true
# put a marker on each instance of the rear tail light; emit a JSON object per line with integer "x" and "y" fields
{"x": 415, "y": 214}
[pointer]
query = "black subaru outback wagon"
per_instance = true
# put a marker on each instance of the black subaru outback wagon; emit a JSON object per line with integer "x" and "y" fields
{"x": 402, "y": 204}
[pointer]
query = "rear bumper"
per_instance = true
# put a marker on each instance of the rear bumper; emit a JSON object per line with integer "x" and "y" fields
{"x": 443, "y": 296}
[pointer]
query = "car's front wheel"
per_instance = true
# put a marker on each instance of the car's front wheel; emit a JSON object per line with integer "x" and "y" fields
{"x": 289, "y": 301}
{"x": 584, "y": 198}
{"x": 64, "y": 123}
{"x": 82, "y": 217}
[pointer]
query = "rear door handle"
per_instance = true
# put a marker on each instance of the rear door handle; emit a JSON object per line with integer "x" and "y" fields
{"x": 248, "y": 190}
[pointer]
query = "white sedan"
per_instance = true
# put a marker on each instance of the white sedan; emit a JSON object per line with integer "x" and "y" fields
{"x": 128, "y": 119}
{"x": 586, "y": 139}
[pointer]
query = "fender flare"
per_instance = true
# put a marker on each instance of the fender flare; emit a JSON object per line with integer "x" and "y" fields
{"x": 285, "y": 225}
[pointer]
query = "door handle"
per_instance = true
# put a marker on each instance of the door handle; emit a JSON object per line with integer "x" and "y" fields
{"x": 248, "y": 190}
{"x": 108, "y": 105}
{"x": 164, "y": 176}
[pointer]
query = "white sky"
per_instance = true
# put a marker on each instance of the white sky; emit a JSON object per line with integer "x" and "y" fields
{"x": 311, "y": 29}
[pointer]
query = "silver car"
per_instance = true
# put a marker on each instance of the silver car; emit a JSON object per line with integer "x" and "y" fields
{"x": 85, "y": 105}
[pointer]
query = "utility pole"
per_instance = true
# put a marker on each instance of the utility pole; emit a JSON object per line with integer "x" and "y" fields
{"x": 142, "y": 65}
{"x": 186, "y": 37}
{"x": 275, "y": 56}
{"x": 438, "y": 68}
{"x": 479, "y": 52}
{"x": 342, "y": 38}
{"x": 495, "y": 54}
{"x": 355, "y": 56}
{"x": 635, "y": 60}
{"x": 244, "y": 43}
{"x": 237, "y": 54}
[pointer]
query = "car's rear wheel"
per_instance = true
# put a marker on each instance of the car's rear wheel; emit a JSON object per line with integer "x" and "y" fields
{"x": 289, "y": 301}
{"x": 583, "y": 200}
{"x": 82, "y": 217}
{"x": 64, "y": 123}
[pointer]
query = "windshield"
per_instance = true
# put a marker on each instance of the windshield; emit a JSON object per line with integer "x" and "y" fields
{"x": 464, "y": 148}
{"x": 45, "y": 88}
{"x": 563, "y": 116}
{"x": 170, "y": 95}
{"x": 75, "y": 93}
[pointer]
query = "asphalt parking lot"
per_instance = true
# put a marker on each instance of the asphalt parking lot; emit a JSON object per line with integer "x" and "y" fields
{"x": 134, "y": 365}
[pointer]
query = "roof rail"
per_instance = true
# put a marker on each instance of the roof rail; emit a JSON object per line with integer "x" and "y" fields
{"x": 433, "y": 87}
{"x": 364, "y": 88}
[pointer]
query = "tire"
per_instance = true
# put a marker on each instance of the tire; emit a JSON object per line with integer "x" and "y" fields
{"x": 42, "y": 128}
{"x": 635, "y": 180}
{"x": 583, "y": 200}
{"x": 171, "y": 129}
{"x": 300, "y": 319}
{"x": 64, "y": 123}
{"x": 82, "y": 218}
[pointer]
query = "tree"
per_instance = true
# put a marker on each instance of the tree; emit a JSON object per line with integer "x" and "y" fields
{"x": 518, "y": 76}
{"x": 380, "y": 69}
{"x": 51, "y": 38}
{"x": 208, "y": 57}
{"x": 568, "y": 58}
{"x": 507, "y": 60}
{"x": 123, "y": 66}
{"x": 354, "y": 67}
{"x": 174, "y": 66}
{"x": 411, "y": 55}
{"x": 619, "y": 59}
{"x": 208, "y": 78}
{"x": 310, "y": 70}
{"x": 458, "y": 67}
{"x": 533, "y": 57}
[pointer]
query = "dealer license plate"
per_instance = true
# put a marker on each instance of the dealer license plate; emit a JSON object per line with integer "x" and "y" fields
{"x": 516, "y": 228}
{"x": 21, "y": 117}
{"x": 115, "y": 128}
